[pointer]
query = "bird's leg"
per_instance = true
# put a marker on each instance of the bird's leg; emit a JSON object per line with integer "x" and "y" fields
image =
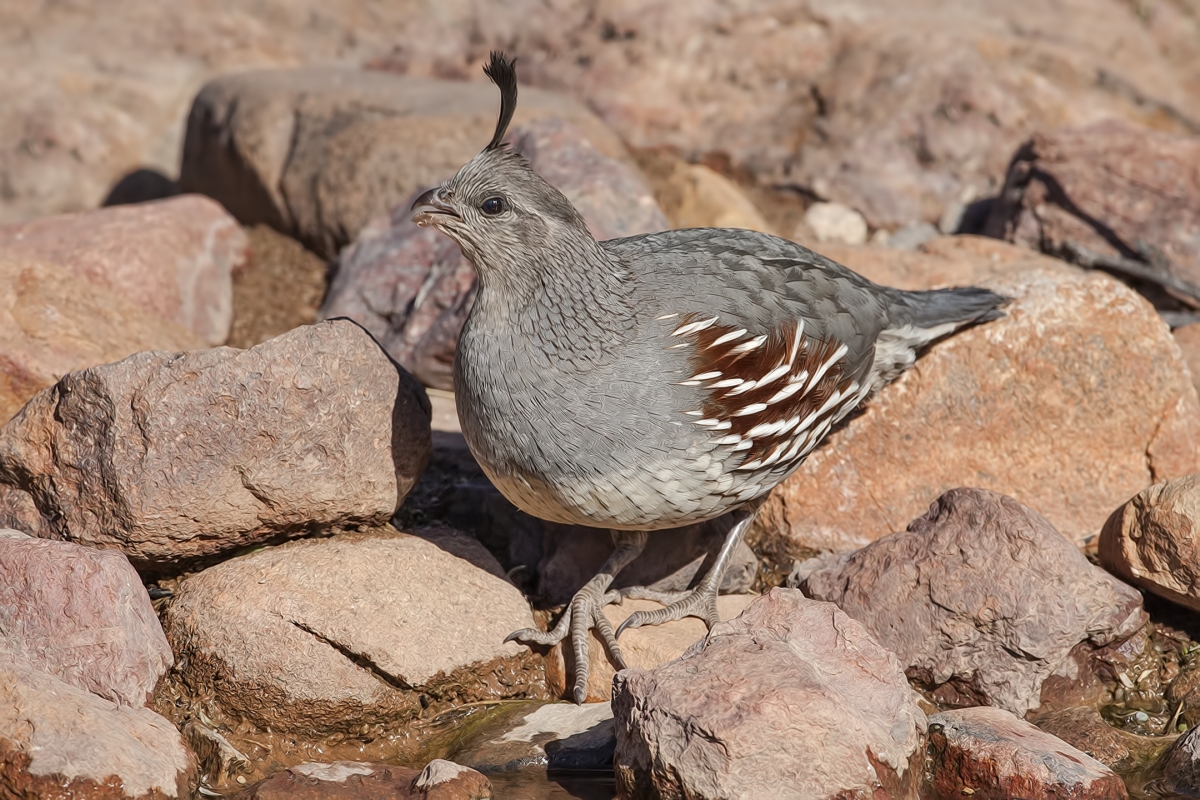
{"x": 586, "y": 612}
{"x": 699, "y": 602}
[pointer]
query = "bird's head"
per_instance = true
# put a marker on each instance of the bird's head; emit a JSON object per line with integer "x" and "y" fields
{"x": 503, "y": 214}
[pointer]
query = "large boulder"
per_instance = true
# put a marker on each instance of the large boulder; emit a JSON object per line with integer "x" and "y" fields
{"x": 980, "y": 599}
{"x": 412, "y": 287}
{"x": 80, "y": 614}
{"x": 1073, "y": 401}
{"x": 52, "y": 323}
{"x": 58, "y": 740}
{"x": 318, "y": 152}
{"x": 1113, "y": 189}
{"x": 1151, "y": 541}
{"x": 351, "y": 636}
{"x": 173, "y": 258}
{"x": 175, "y": 457}
{"x": 791, "y": 699}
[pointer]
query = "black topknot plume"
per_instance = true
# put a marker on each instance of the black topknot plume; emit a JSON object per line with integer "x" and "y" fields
{"x": 504, "y": 74}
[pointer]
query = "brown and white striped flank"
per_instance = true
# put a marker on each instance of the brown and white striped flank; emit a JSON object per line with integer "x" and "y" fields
{"x": 770, "y": 396}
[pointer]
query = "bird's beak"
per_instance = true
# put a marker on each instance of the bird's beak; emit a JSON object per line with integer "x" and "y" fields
{"x": 429, "y": 206}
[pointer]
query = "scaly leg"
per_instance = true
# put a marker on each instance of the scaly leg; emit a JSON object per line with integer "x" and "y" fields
{"x": 699, "y": 602}
{"x": 586, "y": 612}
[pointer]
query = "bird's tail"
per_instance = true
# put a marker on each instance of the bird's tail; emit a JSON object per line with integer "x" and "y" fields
{"x": 947, "y": 309}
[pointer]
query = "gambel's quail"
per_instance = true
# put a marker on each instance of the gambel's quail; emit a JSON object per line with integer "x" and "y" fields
{"x": 654, "y": 381}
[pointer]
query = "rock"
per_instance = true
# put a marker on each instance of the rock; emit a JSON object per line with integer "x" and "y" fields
{"x": 173, "y": 258}
{"x": 910, "y": 237}
{"x": 82, "y": 615}
{"x": 953, "y": 597}
{"x": 553, "y": 736}
{"x": 318, "y": 152}
{"x": 791, "y": 699}
{"x": 1188, "y": 339}
{"x": 1178, "y": 769}
{"x": 280, "y": 287}
{"x": 52, "y": 323}
{"x": 178, "y": 457}
{"x": 1112, "y": 188}
{"x": 357, "y": 780}
{"x": 1071, "y": 403}
{"x": 1151, "y": 541}
{"x": 58, "y": 740}
{"x": 325, "y": 636}
{"x": 694, "y": 196}
{"x": 834, "y": 222}
{"x": 412, "y": 288}
{"x": 643, "y": 648}
{"x": 990, "y": 754}
{"x": 1085, "y": 729}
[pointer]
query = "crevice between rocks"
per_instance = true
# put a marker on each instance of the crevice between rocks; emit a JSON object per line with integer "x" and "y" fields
{"x": 360, "y": 660}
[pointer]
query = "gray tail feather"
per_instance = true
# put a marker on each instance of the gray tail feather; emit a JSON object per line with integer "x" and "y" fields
{"x": 963, "y": 305}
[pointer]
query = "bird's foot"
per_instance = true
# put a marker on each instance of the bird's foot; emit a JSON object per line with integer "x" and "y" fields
{"x": 699, "y": 602}
{"x": 585, "y": 613}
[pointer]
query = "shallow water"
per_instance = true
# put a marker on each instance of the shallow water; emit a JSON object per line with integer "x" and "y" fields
{"x": 536, "y": 785}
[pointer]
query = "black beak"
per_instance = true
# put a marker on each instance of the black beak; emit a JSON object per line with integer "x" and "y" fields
{"x": 430, "y": 205}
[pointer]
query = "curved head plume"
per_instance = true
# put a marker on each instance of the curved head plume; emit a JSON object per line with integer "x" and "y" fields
{"x": 504, "y": 74}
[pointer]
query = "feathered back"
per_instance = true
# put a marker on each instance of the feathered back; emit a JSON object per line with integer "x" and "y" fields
{"x": 504, "y": 74}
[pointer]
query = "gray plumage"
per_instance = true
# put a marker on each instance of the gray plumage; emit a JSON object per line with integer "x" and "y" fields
{"x": 658, "y": 380}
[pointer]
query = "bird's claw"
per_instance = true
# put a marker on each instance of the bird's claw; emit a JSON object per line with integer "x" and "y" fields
{"x": 584, "y": 614}
{"x": 700, "y": 602}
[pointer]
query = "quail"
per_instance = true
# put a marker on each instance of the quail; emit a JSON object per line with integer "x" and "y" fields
{"x": 650, "y": 382}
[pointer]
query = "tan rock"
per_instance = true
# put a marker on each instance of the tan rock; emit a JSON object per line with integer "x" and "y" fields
{"x": 834, "y": 222}
{"x": 173, "y": 258}
{"x": 554, "y": 736}
{"x": 643, "y": 648}
{"x": 82, "y": 615}
{"x": 1114, "y": 188}
{"x": 1188, "y": 339}
{"x": 330, "y": 635}
{"x": 190, "y": 455}
{"x": 981, "y": 600}
{"x": 1153, "y": 541}
{"x": 991, "y": 754}
{"x": 694, "y": 196}
{"x": 791, "y": 699}
{"x": 51, "y": 323}
{"x": 1072, "y": 402}
{"x": 319, "y": 152}
{"x": 57, "y": 740}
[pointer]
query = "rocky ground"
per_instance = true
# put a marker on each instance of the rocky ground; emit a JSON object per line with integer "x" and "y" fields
{"x": 245, "y": 551}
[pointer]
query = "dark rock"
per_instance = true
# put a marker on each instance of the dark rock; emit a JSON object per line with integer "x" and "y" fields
{"x": 175, "y": 457}
{"x": 1113, "y": 188}
{"x": 989, "y": 754}
{"x": 981, "y": 599}
{"x": 792, "y": 698}
{"x": 412, "y": 287}
{"x": 1178, "y": 769}
{"x": 82, "y": 615}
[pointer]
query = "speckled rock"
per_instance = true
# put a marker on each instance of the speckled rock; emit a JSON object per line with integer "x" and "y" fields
{"x": 1153, "y": 541}
{"x": 980, "y": 599}
{"x": 412, "y": 287}
{"x": 175, "y": 457}
{"x": 324, "y": 636}
{"x": 58, "y": 740}
{"x": 792, "y": 699}
{"x": 82, "y": 615}
{"x": 990, "y": 754}
{"x": 1071, "y": 403}
{"x": 173, "y": 258}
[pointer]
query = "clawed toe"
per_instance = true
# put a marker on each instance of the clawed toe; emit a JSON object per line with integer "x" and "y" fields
{"x": 701, "y": 603}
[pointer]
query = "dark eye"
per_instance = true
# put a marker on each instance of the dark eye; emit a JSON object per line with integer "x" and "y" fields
{"x": 492, "y": 206}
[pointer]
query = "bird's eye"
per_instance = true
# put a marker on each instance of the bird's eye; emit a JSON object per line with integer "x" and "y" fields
{"x": 492, "y": 206}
